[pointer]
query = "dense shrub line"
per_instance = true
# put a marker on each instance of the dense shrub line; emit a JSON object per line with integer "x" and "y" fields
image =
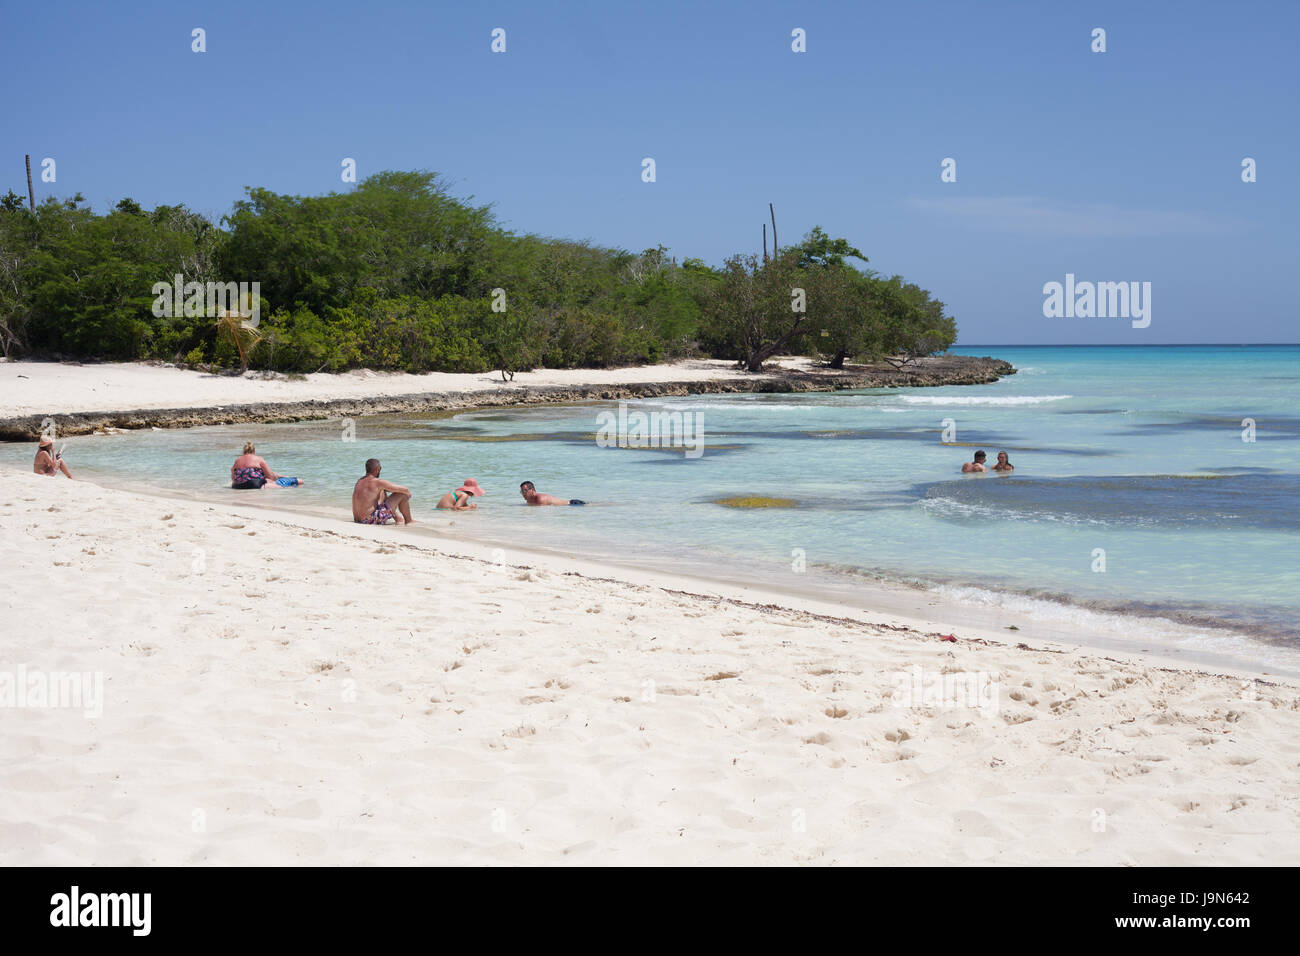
{"x": 397, "y": 274}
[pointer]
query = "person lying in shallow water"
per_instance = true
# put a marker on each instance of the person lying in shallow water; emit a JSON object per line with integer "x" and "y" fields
{"x": 462, "y": 499}
{"x": 535, "y": 497}
{"x": 251, "y": 471}
{"x": 1004, "y": 463}
{"x": 48, "y": 461}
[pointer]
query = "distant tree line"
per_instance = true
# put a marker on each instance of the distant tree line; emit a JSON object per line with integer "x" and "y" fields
{"x": 397, "y": 274}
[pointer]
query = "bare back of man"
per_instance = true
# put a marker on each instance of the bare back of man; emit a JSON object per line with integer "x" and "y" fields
{"x": 376, "y": 501}
{"x": 541, "y": 498}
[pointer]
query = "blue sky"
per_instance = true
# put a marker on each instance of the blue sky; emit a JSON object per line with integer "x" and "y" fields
{"x": 1115, "y": 166}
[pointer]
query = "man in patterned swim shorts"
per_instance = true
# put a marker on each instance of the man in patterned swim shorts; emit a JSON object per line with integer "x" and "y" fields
{"x": 375, "y": 501}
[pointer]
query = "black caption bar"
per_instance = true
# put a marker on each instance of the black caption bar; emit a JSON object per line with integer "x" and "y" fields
{"x": 333, "y": 907}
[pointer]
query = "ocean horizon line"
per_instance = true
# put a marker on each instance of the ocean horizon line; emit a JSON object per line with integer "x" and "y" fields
{"x": 1126, "y": 345}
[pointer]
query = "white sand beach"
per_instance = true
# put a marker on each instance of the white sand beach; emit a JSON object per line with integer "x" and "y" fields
{"x": 42, "y": 388}
{"x": 281, "y": 689}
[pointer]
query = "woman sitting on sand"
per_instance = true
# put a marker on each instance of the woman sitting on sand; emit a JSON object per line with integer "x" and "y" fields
{"x": 48, "y": 461}
{"x": 462, "y": 499}
{"x": 251, "y": 471}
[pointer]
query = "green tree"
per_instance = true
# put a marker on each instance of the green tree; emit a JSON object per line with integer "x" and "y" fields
{"x": 820, "y": 250}
{"x": 396, "y": 233}
{"x": 918, "y": 325}
{"x": 755, "y": 306}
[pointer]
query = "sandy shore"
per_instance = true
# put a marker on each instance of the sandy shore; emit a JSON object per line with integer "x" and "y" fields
{"x": 286, "y": 689}
{"x": 31, "y": 388}
{"x": 81, "y": 399}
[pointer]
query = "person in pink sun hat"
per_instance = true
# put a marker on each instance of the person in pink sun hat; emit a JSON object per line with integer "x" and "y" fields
{"x": 462, "y": 499}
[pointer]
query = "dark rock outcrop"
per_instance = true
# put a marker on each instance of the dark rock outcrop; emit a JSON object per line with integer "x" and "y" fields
{"x": 941, "y": 370}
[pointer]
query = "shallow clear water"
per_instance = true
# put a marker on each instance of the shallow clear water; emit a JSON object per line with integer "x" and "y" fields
{"x": 1137, "y": 452}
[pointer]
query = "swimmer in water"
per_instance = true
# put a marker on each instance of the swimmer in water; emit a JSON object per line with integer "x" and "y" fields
{"x": 976, "y": 465}
{"x": 1004, "y": 463}
{"x": 535, "y": 497}
{"x": 462, "y": 499}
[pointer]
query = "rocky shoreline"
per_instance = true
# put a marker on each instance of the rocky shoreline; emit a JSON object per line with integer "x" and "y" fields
{"x": 940, "y": 370}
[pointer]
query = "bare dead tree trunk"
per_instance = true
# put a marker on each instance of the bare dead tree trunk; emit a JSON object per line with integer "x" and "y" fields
{"x": 764, "y": 242}
{"x": 31, "y": 193}
{"x": 776, "y": 249}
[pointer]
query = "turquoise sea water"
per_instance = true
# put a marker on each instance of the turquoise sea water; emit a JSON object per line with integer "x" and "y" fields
{"x": 1134, "y": 452}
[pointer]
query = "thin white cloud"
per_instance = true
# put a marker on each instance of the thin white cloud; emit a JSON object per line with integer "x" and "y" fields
{"x": 1035, "y": 216}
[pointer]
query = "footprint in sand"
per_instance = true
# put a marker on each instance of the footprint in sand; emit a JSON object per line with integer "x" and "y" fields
{"x": 302, "y": 810}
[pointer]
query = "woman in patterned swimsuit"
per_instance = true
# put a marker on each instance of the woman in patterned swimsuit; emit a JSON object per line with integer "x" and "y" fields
{"x": 250, "y": 470}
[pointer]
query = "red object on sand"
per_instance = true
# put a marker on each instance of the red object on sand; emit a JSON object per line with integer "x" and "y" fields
{"x": 948, "y": 637}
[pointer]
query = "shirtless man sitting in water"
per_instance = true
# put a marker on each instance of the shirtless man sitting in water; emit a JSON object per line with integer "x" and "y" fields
{"x": 976, "y": 465}
{"x": 48, "y": 462}
{"x": 535, "y": 497}
{"x": 375, "y": 501}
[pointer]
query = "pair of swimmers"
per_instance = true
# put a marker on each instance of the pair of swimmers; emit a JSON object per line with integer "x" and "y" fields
{"x": 376, "y": 500}
{"x": 462, "y": 499}
{"x": 1004, "y": 463}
